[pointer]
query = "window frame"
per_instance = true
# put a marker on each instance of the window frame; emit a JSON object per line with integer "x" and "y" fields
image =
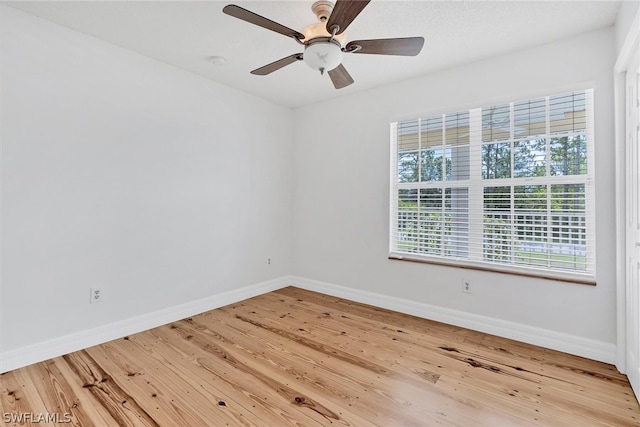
{"x": 476, "y": 184}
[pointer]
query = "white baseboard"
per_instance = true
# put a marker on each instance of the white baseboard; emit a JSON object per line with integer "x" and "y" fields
{"x": 592, "y": 349}
{"x": 585, "y": 347}
{"x": 55, "y": 347}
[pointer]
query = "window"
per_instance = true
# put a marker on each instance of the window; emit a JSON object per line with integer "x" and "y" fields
{"x": 506, "y": 187}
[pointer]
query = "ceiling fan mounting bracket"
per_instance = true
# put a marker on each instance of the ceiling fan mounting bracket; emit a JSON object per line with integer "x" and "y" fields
{"x": 322, "y": 9}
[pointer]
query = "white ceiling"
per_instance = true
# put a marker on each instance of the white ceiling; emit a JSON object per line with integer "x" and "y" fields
{"x": 187, "y": 34}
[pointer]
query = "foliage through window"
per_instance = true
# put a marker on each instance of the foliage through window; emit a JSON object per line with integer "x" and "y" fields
{"x": 506, "y": 187}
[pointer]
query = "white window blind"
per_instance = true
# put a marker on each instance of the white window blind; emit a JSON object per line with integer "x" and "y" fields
{"x": 505, "y": 187}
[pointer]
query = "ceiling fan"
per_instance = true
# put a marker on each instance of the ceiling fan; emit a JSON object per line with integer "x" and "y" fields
{"x": 323, "y": 41}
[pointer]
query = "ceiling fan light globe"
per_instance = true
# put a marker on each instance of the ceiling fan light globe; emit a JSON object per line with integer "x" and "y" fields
{"x": 323, "y": 54}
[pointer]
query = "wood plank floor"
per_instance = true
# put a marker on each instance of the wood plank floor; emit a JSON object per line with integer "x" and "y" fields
{"x": 298, "y": 358}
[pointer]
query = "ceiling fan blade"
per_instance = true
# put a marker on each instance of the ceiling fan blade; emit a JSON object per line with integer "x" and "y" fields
{"x": 260, "y": 21}
{"x": 409, "y": 46}
{"x": 343, "y": 14}
{"x": 274, "y": 66}
{"x": 340, "y": 77}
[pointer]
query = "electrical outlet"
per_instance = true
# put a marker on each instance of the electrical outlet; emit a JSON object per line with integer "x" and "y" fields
{"x": 96, "y": 295}
{"x": 466, "y": 286}
{"x": 269, "y": 261}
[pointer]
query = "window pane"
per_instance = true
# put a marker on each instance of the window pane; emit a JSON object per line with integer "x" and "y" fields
{"x": 568, "y": 155}
{"x": 408, "y": 167}
{"x": 457, "y": 146}
{"x": 431, "y": 128}
{"x": 457, "y": 166}
{"x": 567, "y": 112}
{"x": 408, "y": 136}
{"x": 432, "y": 165}
{"x": 431, "y": 221}
{"x": 568, "y": 198}
{"x": 496, "y": 160}
{"x": 457, "y": 231}
{"x": 496, "y": 229}
{"x": 530, "y": 118}
{"x": 568, "y": 226}
{"x": 407, "y": 234}
{"x": 496, "y": 123}
{"x": 529, "y": 158}
{"x": 457, "y": 128}
{"x": 431, "y": 200}
{"x": 531, "y": 225}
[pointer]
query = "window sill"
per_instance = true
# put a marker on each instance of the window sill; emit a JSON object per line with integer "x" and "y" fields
{"x": 577, "y": 278}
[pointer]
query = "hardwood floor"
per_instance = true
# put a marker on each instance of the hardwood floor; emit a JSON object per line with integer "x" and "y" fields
{"x": 294, "y": 357}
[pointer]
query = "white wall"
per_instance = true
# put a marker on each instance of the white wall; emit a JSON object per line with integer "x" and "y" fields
{"x": 159, "y": 186}
{"x": 341, "y": 190}
{"x": 628, "y": 11}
